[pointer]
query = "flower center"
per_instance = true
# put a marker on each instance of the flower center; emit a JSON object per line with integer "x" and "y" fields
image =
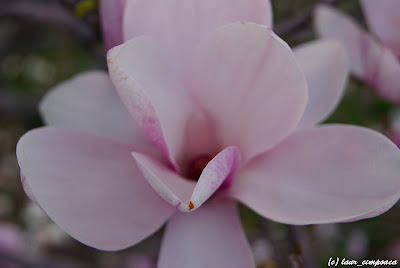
{"x": 197, "y": 166}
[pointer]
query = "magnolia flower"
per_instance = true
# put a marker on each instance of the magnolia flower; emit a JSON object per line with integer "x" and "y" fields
{"x": 201, "y": 113}
{"x": 374, "y": 58}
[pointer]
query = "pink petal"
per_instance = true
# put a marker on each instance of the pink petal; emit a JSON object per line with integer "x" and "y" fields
{"x": 326, "y": 67}
{"x": 91, "y": 187}
{"x": 111, "y": 13}
{"x": 147, "y": 84}
{"x": 90, "y": 103}
{"x": 361, "y": 48}
{"x": 377, "y": 211}
{"x": 182, "y": 193}
{"x": 387, "y": 76}
{"x": 325, "y": 174}
{"x": 211, "y": 236}
{"x": 384, "y": 20}
{"x": 249, "y": 82}
{"x": 180, "y": 24}
{"x": 173, "y": 188}
{"x": 369, "y": 61}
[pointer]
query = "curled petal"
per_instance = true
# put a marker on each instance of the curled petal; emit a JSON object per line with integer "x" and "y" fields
{"x": 173, "y": 188}
{"x": 251, "y": 86}
{"x": 332, "y": 173}
{"x": 148, "y": 86}
{"x": 186, "y": 195}
{"x": 211, "y": 236}
{"x": 326, "y": 67}
{"x": 90, "y": 187}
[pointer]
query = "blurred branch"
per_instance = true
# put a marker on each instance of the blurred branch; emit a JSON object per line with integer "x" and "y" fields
{"x": 48, "y": 13}
{"x": 17, "y": 107}
{"x": 300, "y": 19}
{"x": 267, "y": 226}
{"x": 300, "y": 242}
{"x": 293, "y": 251}
{"x": 5, "y": 257}
{"x": 8, "y": 37}
{"x": 42, "y": 263}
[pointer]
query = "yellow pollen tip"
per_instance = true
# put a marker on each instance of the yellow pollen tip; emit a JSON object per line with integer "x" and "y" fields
{"x": 191, "y": 206}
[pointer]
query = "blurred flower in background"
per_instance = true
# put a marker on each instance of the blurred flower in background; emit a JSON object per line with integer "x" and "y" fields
{"x": 375, "y": 58}
{"x": 12, "y": 242}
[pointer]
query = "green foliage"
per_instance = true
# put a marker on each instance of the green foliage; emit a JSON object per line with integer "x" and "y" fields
{"x": 85, "y": 7}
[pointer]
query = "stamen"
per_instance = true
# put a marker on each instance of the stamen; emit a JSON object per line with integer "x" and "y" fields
{"x": 191, "y": 206}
